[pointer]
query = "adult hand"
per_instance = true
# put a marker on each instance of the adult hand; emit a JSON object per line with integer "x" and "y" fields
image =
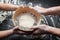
{"x": 41, "y": 29}
{"x": 37, "y": 30}
{"x": 17, "y": 30}
{"x": 38, "y": 9}
{"x": 21, "y": 32}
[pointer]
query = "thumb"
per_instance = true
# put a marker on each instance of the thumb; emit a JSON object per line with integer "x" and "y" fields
{"x": 35, "y": 27}
{"x": 16, "y": 27}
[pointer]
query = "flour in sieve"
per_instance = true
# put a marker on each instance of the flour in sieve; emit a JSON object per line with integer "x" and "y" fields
{"x": 26, "y": 20}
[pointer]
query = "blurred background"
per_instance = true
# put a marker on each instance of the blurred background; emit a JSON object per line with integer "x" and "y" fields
{"x": 52, "y": 20}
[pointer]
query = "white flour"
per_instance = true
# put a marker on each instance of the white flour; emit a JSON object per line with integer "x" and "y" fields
{"x": 26, "y": 21}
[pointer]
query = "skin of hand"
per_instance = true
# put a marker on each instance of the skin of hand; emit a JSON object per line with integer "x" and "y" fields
{"x": 22, "y": 32}
{"x": 40, "y": 29}
{"x": 47, "y": 11}
{"x": 38, "y": 9}
{"x": 45, "y": 29}
{"x": 36, "y": 31}
{"x": 18, "y": 31}
{"x": 8, "y": 7}
{"x": 6, "y": 33}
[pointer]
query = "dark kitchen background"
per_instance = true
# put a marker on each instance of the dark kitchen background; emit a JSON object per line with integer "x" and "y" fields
{"x": 52, "y": 20}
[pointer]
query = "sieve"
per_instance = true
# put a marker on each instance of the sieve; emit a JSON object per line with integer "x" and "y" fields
{"x": 26, "y": 10}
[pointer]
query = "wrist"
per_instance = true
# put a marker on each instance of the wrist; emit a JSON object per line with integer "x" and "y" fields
{"x": 11, "y": 30}
{"x": 49, "y": 29}
{"x": 14, "y": 7}
{"x": 44, "y": 12}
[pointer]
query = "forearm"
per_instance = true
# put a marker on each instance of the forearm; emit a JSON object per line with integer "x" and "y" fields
{"x": 53, "y": 30}
{"x": 52, "y": 11}
{"x": 8, "y": 7}
{"x": 5, "y": 33}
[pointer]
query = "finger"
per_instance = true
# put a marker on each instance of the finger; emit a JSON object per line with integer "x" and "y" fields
{"x": 31, "y": 7}
{"x": 34, "y": 27}
{"x": 24, "y": 33}
{"x": 15, "y": 27}
{"x": 21, "y": 33}
{"x": 38, "y": 26}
